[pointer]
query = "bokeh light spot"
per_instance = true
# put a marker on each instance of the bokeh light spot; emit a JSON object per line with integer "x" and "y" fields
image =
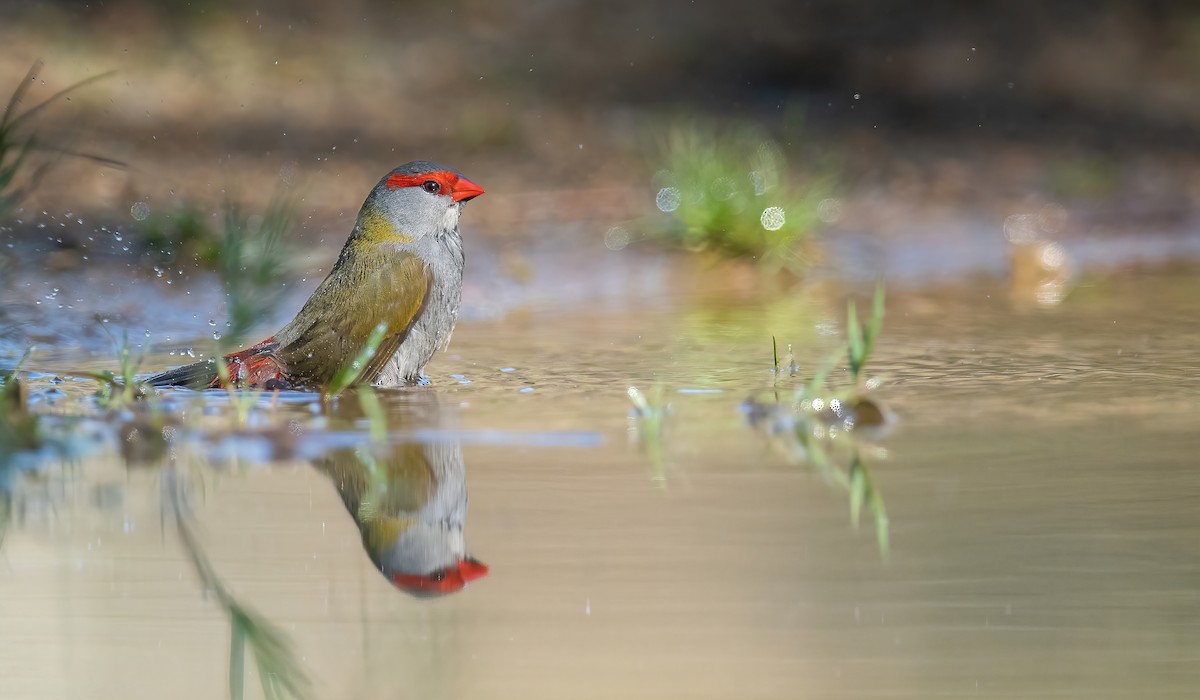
{"x": 667, "y": 199}
{"x": 773, "y": 218}
{"x": 1020, "y": 228}
{"x": 829, "y": 210}
{"x": 617, "y": 237}
{"x": 1053, "y": 256}
{"x": 758, "y": 182}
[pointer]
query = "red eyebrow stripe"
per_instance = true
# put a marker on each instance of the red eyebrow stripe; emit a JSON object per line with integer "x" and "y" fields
{"x": 444, "y": 178}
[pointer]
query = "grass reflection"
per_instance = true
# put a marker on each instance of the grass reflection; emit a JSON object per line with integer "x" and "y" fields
{"x": 647, "y": 423}
{"x": 831, "y": 429}
{"x": 279, "y": 670}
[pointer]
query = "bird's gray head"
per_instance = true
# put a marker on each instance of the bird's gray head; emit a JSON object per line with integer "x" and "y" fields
{"x": 427, "y": 559}
{"x": 415, "y": 200}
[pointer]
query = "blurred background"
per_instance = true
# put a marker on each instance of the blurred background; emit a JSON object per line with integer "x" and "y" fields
{"x": 559, "y": 106}
{"x": 681, "y": 197}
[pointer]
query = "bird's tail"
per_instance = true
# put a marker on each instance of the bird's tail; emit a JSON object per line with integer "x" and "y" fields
{"x": 201, "y": 375}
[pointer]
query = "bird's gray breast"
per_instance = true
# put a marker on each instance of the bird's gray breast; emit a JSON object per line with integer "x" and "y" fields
{"x": 432, "y": 329}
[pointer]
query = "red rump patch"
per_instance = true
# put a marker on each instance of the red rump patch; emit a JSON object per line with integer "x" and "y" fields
{"x": 459, "y": 188}
{"x": 253, "y": 367}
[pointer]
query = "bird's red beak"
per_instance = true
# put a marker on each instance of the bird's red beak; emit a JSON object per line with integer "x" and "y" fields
{"x": 464, "y": 189}
{"x": 448, "y": 580}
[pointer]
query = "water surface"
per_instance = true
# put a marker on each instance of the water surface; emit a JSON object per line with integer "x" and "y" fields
{"x": 1040, "y": 483}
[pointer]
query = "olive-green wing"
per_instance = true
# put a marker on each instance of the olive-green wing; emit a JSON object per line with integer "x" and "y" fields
{"x": 334, "y": 326}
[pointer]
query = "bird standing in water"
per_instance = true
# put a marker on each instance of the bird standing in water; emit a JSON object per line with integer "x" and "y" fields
{"x": 401, "y": 268}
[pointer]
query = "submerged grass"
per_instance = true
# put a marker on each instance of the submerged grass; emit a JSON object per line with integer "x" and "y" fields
{"x": 733, "y": 191}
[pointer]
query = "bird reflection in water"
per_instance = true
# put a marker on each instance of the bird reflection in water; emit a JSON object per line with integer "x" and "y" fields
{"x": 410, "y": 503}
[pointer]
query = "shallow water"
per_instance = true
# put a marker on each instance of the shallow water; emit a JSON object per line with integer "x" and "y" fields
{"x": 1040, "y": 483}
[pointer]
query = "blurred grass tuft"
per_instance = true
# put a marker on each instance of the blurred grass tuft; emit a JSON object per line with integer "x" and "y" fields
{"x": 733, "y": 191}
{"x": 118, "y": 391}
{"x": 253, "y": 257}
{"x": 19, "y": 140}
{"x": 183, "y": 235}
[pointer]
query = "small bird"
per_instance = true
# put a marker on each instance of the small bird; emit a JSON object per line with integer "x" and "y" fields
{"x": 401, "y": 269}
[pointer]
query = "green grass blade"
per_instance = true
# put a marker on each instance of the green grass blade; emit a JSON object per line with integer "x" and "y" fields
{"x": 237, "y": 661}
{"x": 854, "y": 338}
{"x": 816, "y": 384}
{"x": 882, "y": 526}
{"x": 877, "y": 311}
{"x": 19, "y": 93}
{"x": 376, "y": 418}
{"x": 347, "y": 375}
{"x": 878, "y": 510}
{"x": 858, "y": 489}
{"x": 53, "y": 98}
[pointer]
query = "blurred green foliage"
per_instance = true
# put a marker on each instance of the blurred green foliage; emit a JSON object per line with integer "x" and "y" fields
{"x": 185, "y": 234}
{"x": 733, "y": 191}
{"x": 19, "y": 140}
{"x": 252, "y": 260}
{"x": 1084, "y": 177}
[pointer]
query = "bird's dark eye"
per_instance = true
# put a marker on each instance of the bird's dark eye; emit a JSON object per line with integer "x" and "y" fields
{"x": 431, "y": 186}
{"x": 437, "y": 575}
